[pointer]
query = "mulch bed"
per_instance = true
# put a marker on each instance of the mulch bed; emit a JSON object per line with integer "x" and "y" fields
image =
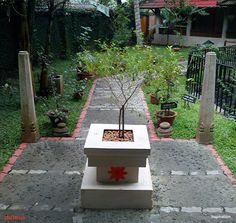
{"x": 113, "y": 135}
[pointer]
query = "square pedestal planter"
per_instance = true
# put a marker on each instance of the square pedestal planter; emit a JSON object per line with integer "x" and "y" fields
{"x": 117, "y": 174}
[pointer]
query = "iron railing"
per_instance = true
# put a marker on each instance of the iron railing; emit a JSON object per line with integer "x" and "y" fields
{"x": 225, "y": 93}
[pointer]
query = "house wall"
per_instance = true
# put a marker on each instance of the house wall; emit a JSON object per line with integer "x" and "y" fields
{"x": 189, "y": 40}
{"x": 218, "y": 26}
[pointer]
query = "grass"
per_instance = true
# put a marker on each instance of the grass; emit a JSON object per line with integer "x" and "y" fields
{"x": 10, "y": 110}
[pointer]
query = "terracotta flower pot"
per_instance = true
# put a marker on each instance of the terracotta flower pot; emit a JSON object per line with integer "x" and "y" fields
{"x": 164, "y": 117}
{"x": 78, "y": 95}
{"x": 154, "y": 100}
{"x": 176, "y": 49}
{"x": 84, "y": 74}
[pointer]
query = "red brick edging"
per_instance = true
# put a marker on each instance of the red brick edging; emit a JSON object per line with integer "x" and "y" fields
{"x": 222, "y": 165}
{"x": 76, "y": 133}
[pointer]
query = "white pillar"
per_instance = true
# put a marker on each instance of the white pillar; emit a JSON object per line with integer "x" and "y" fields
{"x": 189, "y": 26}
{"x": 225, "y": 26}
{"x": 29, "y": 126}
{"x": 206, "y": 116}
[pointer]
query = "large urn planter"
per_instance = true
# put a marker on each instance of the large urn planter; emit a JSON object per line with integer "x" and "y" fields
{"x": 166, "y": 116}
{"x": 117, "y": 174}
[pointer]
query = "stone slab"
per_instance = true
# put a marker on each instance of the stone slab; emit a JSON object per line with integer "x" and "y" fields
{"x": 111, "y": 196}
{"x": 50, "y": 189}
{"x": 194, "y": 191}
{"x": 178, "y": 155}
{"x": 53, "y": 156}
{"x": 105, "y": 153}
{"x": 111, "y": 117}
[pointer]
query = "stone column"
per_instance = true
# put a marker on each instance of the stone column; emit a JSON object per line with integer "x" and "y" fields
{"x": 206, "y": 116}
{"x": 29, "y": 126}
{"x": 225, "y": 26}
{"x": 189, "y": 26}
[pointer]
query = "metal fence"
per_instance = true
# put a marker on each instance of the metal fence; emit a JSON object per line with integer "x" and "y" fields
{"x": 225, "y": 93}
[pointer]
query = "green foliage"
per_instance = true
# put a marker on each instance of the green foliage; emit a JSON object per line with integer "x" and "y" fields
{"x": 87, "y": 61}
{"x": 122, "y": 30}
{"x": 201, "y": 50}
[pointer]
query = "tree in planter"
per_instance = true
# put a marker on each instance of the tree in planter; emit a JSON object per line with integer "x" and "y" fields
{"x": 124, "y": 70}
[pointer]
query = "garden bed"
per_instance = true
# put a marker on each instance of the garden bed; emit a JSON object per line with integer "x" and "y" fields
{"x": 10, "y": 111}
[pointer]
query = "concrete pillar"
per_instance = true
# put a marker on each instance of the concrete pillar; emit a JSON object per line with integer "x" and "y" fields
{"x": 29, "y": 126}
{"x": 206, "y": 116}
{"x": 225, "y": 26}
{"x": 189, "y": 26}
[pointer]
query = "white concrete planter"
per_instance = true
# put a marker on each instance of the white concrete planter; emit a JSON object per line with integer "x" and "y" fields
{"x": 117, "y": 174}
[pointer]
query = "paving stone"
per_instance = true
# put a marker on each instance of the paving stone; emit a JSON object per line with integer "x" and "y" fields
{"x": 42, "y": 207}
{"x": 72, "y": 172}
{"x": 169, "y": 209}
{"x": 193, "y": 191}
{"x": 29, "y": 189}
{"x": 213, "y": 172}
{"x": 19, "y": 171}
{"x": 178, "y": 173}
{"x": 3, "y": 206}
{"x": 186, "y": 156}
{"x": 21, "y": 207}
{"x": 220, "y": 216}
{"x": 194, "y": 173}
{"x": 212, "y": 210}
{"x": 230, "y": 210}
{"x": 37, "y": 172}
{"x": 108, "y": 117}
{"x": 191, "y": 209}
{"x": 53, "y": 155}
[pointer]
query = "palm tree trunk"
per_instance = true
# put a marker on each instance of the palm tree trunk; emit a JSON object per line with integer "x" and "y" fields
{"x": 138, "y": 23}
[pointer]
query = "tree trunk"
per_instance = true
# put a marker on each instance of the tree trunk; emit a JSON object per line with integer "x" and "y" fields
{"x": 62, "y": 33}
{"x": 23, "y": 31}
{"x": 31, "y": 21}
{"x": 24, "y": 37}
{"x": 122, "y": 122}
{"x": 44, "y": 86}
{"x": 138, "y": 23}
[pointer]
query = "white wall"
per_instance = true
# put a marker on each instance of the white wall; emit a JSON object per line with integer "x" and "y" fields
{"x": 188, "y": 41}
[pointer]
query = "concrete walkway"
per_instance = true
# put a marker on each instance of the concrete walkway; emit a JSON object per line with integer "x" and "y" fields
{"x": 44, "y": 183}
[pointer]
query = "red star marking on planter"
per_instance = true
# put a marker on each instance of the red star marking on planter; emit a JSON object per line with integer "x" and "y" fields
{"x": 117, "y": 173}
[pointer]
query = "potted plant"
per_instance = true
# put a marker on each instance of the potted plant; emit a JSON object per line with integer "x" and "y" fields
{"x": 168, "y": 77}
{"x": 86, "y": 65}
{"x": 55, "y": 110}
{"x": 79, "y": 89}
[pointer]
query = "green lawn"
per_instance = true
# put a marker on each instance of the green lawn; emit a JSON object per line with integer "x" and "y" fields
{"x": 10, "y": 110}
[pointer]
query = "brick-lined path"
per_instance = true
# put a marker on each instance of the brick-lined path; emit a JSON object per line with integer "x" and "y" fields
{"x": 42, "y": 181}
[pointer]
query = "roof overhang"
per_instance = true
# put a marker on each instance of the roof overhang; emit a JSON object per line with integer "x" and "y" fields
{"x": 155, "y": 4}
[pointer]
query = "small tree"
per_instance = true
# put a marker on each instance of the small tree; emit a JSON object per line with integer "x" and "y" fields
{"x": 124, "y": 70}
